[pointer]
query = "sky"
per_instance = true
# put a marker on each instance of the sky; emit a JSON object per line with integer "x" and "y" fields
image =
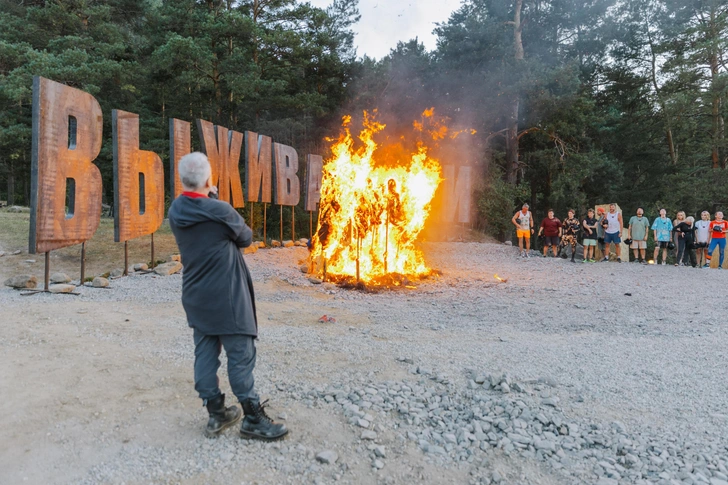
{"x": 383, "y": 23}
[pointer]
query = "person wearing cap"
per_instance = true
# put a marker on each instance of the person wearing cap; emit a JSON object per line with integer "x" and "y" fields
{"x": 613, "y": 232}
{"x": 589, "y": 225}
{"x": 523, "y": 220}
{"x": 638, "y": 232}
{"x": 661, "y": 228}
{"x": 551, "y": 229}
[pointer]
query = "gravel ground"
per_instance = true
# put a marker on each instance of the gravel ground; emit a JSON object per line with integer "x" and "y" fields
{"x": 567, "y": 373}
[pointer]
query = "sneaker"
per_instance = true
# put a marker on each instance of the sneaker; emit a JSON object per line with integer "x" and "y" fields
{"x": 706, "y": 266}
{"x": 258, "y": 425}
{"x": 664, "y": 263}
{"x": 605, "y": 260}
{"x": 527, "y": 255}
{"x": 643, "y": 261}
{"x": 619, "y": 260}
{"x": 636, "y": 260}
{"x": 584, "y": 260}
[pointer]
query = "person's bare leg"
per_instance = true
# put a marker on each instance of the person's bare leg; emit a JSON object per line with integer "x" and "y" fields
{"x": 618, "y": 250}
{"x": 555, "y": 249}
{"x": 657, "y": 251}
{"x": 643, "y": 253}
{"x": 528, "y": 243}
{"x": 664, "y": 255}
{"x": 520, "y": 243}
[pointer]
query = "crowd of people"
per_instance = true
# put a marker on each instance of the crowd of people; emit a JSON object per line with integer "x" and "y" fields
{"x": 693, "y": 242}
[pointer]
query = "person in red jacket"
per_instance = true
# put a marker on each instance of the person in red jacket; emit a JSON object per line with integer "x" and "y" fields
{"x": 551, "y": 229}
{"x": 718, "y": 228}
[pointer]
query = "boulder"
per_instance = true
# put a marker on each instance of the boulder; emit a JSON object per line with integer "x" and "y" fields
{"x": 303, "y": 241}
{"x": 250, "y": 249}
{"x": 288, "y": 244}
{"x": 166, "y": 269}
{"x": 174, "y": 257}
{"x": 100, "y": 282}
{"x": 60, "y": 278}
{"x": 115, "y": 273}
{"x": 22, "y": 281}
{"x": 315, "y": 281}
{"x": 275, "y": 244}
{"x": 60, "y": 288}
{"x": 17, "y": 208}
{"x": 261, "y": 244}
{"x": 141, "y": 267}
{"x": 304, "y": 268}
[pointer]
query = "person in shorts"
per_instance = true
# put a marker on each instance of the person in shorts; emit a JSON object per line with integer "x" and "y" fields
{"x": 702, "y": 236}
{"x": 551, "y": 229}
{"x": 523, "y": 220}
{"x": 589, "y": 224}
{"x": 662, "y": 228}
{"x": 638, "y": 231}
{"x": 570, "y": 230}
{"x": 613, "y": 233}
{"x": 718, "y": 228}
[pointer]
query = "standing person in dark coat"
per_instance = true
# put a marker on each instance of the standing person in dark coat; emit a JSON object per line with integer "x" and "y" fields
{"x": 218, "y": 297}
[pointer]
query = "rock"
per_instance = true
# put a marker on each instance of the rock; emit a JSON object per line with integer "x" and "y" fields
{"x": 380, "y": 451}
{"x": 303, "y": 268}
{"x": 17, "y": 251}
{"x": 260, "y": 244}
{"x": 288, "y": 244}
{"x": 140, "y": 267}
{"x": 17, "y": 209}
{"x": 60, "y": 278}
{"x": 174, "y": 257}
{"x": 2, "y": 253}
{"x": 378, "y": 464}
{"x": 275, "y": 244}
{"x": 328, "y": 457}
{"x": 252, "y": 249}
{"x": 29, "y": 261}
{"x": 505, "y": 388}
{"x": 100, "y": 282}
{"x": 297, "y": 244}
{"x": 167, "y": 269}
{"x": 362, "y": 423}
{"x": 315, "y": 281}
{"x": 115, "y": 273}
{"x": 61, "y": 288}
{"x": 368, "y": 435}
{"x": 329, "y": 286}
{"x": 303, "y": 241}
{"x": 508, "y": 243}
{"x": 607, "y": 481}
{"x": 22, "y": 281}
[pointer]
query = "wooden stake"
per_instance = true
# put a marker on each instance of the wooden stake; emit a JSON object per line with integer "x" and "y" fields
{"x": 126, "y": 258}
{"x": 251, "y": 216}
{"x": 265, "y": 222}
{"x": 83, "y": 262}
{"x": 293, "y": 223}
{"x": 310, "y": 224}
{"x": 153, "y": 262}
{"x": 281, "y": 207}
{"x": 47, "y": 276}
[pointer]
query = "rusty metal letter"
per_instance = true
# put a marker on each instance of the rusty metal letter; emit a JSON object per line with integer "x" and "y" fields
{"x": 314, "y": 169}
{"x": 179, "y": 146}
{"x": 223, "y": 148}
{"x": 67, "y": 134}
{"x": 138, "y": 181}
{"x": 258, "y": 167}
{"x": 285, "y": 166}
{"x": 457, "y": 194}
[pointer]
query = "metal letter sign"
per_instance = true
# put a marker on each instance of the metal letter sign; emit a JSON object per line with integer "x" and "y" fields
{"x": 138, "y": 181}
{"x": 222, "y": 148}
{"x": 314, "y": 169}
{"x": 285, "y": 165}
{"x": 457, "y": 194}
{"x": 179, "y": 146}
{"x": 258, "y": 167}
{"x": 67, "y": 129}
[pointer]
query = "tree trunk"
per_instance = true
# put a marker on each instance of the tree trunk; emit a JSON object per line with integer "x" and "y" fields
{"x": 512, "y": 134}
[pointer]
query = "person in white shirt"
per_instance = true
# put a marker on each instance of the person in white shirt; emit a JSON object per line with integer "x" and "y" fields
{"x": 702, "y": 234}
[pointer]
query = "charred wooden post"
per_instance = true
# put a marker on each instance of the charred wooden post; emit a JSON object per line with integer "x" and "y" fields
{"x": 126, "y": 258}
{"x": 153, "y": 261}
{"x": 293, "y": 223}
{"x": 252, "y": 225}
{"x": 265, "y": 222}
{"x": 281, "y": 207}
{"x": 83, "y": 263}
{"x": 47, "y": 275}
{"x": 310, "y": 224}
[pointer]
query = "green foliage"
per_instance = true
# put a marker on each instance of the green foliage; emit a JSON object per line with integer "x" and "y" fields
{"x": 497, "y": 202}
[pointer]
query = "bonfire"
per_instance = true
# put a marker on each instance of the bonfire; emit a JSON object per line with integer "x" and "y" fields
{"x": 375, "y": 201}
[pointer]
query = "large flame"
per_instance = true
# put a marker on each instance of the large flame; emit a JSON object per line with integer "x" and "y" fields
{"x": 374, "y": 203}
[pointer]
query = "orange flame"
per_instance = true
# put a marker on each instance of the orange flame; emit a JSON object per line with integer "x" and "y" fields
{"x": 373, "y": 208}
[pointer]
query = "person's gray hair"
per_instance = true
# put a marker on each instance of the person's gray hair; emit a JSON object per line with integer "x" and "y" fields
{"x": 194, "y": 170}
{"x": 524, "y": 206}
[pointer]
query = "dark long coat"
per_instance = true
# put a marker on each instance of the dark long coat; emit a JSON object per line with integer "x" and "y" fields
{"x": 217, "y": 290}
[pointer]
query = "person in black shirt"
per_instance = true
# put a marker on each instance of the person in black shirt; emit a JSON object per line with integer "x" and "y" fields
{"x": 685, "y": 233}
{"x": 590, "y": 237}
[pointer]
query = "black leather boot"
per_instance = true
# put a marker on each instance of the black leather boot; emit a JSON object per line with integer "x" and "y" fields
{"x": 220, "y": 416}
{"x": 258, "y": 425}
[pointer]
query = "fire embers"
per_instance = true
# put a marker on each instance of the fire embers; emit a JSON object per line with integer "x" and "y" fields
{"x": 373, "y": 207}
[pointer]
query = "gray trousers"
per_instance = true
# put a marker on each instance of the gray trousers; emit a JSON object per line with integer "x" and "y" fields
{"x": 240, "y": 350}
